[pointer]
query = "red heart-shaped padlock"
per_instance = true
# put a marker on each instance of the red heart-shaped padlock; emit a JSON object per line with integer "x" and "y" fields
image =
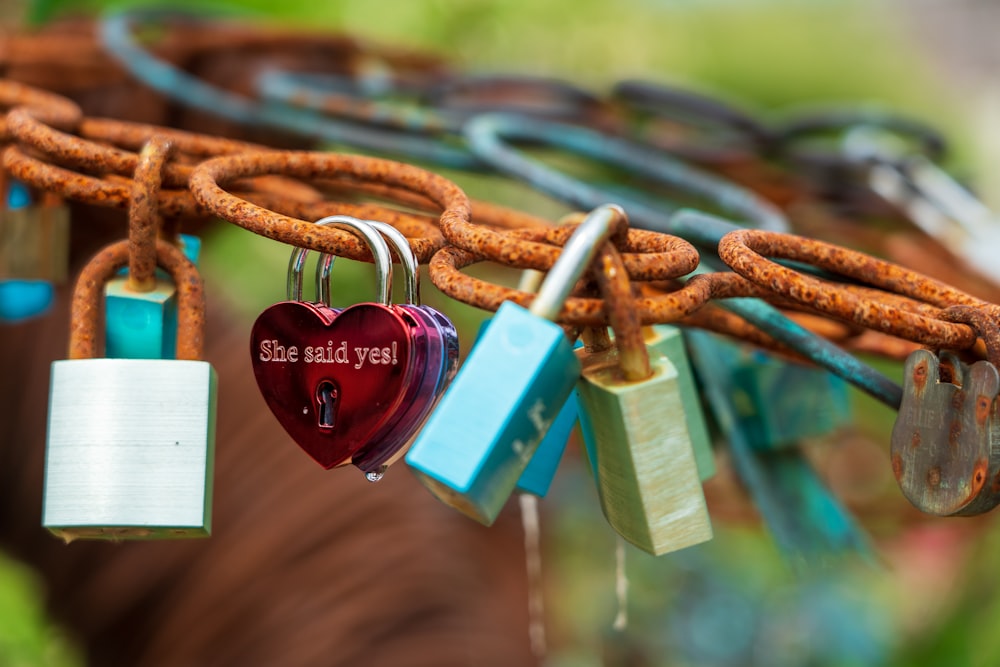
{"x": 332, "y": 379}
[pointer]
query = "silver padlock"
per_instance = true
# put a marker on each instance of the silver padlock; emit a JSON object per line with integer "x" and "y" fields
{"x": 131, "y": 442}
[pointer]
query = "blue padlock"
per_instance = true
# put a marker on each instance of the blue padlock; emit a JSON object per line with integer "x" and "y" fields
{"x": 491, "y": 420}
{"x": 537, "y": 477}
{"x": 143, "y": 325}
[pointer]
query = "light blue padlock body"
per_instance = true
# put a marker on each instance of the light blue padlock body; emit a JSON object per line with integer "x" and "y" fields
{"x": 23, "y": 299}
{"x": 478, "y": 441}
{"x": 143, "y": 325}
{"x": 537, "y": 477}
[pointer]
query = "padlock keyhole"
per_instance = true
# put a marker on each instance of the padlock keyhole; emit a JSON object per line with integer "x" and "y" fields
{"x": 326, "y": 398}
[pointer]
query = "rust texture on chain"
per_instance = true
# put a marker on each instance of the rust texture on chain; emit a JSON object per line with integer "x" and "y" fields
{"x": 615, "y": 289}
{"x": 144, "y": 220}
{"x": 55, "y": 109}
{"x": 208, "y": 180}
{"x": 746, "y": 252}
{"x": 89, "y": 290}
{"x": 446, "y": 274}
{"x": 984, "y": 321}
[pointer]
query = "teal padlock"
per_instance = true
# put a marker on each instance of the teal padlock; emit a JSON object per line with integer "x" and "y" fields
{"x": 541, "y": 470}
{"x": 142, "y": 324}
{"x": 777, "y": 402}
{"x": 633, "y": 420}
{"x": 501, "y": 404}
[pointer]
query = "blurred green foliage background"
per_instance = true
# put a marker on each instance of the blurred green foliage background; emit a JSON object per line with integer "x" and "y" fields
{"x": 732, "y": 602}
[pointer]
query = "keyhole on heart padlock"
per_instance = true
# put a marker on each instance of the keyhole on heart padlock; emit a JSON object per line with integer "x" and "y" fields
{"x": 326, "y": 397}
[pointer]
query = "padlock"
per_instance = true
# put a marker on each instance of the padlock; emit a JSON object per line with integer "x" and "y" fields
{"x": 945, "y": 451}
{"x": 633, "y": 421}
{"x": 805, "y": 519}
{"x": 34, "y": 252}
{"x": 668, "y": 341}
{"x": 336, "y": 379}
{"x": 478, "y": 441}
{"x": 34, "y": 236}
{"x": 541, "y": 469}
{"x": 778, "y": 403}
{"x": 130, "y": 442}
{"x": 433, "y": 370}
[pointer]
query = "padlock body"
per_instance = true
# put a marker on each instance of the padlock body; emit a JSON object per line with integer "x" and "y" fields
{"x": 140, "y": 325}
{"x": 34, "y": 243}
{"x": 777, "y": 403}
{"x": 537, "y": 477}
{"x": 637, "y": 437}
{"x": 489, "y": 423}
{"x": 668, "y": 341}
{"x": 130, "y": 449}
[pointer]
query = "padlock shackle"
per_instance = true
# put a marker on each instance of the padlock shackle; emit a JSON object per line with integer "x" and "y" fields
{"x": 144, "y": 219}
{"x": 376, "y": 244}
{"x": 407, "y": 258}
{"x": 576, "y": 257}
{"x": 88, "y": 292}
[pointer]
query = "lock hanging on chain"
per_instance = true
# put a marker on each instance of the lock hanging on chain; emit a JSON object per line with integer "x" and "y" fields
{"x": 130, "y": 443}
{"x": 944, "y": 441}
{"x": 634, "y": 425}
{"x": 34, "y": 250}
{"x": 478, "y": 442}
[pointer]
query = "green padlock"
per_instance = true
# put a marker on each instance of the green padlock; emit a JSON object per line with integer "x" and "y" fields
{"x": 668, "y": 341}
{"x": 634, "y": 424}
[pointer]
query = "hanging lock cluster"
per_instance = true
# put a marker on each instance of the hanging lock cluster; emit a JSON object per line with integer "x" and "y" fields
{"x": 353, "y": 385}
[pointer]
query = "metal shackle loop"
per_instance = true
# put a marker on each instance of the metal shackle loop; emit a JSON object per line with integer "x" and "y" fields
{"x": 623, "y": 314}
{"x": 83, "y": 338}
{"x": 361, "y": 229}
{"x": 407, "y": 258}
{"x": 576, "y": 257}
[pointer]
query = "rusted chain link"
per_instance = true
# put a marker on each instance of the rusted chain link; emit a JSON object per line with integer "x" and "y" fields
{"x": 209, "y": 177}
{"x": 745, "y": 252}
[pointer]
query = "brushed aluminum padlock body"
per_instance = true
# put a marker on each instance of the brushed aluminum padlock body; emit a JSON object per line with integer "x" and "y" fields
{"x": 637, "y": 437}
{"x": 478, "y": 441}
{"x": 668, "y": 341}
{"x": 130, "y": 449}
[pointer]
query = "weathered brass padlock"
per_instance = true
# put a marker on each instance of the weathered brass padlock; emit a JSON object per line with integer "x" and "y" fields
{"x": 633, "y": 422}
{"x": 946, "y": 439}
{"x": 130, "y": 442}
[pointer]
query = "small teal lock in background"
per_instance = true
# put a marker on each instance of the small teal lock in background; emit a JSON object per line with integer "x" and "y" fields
{"x": 28, "y": 274}
{"x": 143, "y": 325}
{"x": 778, "y": 403}
{"x": 490, "y": 422}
